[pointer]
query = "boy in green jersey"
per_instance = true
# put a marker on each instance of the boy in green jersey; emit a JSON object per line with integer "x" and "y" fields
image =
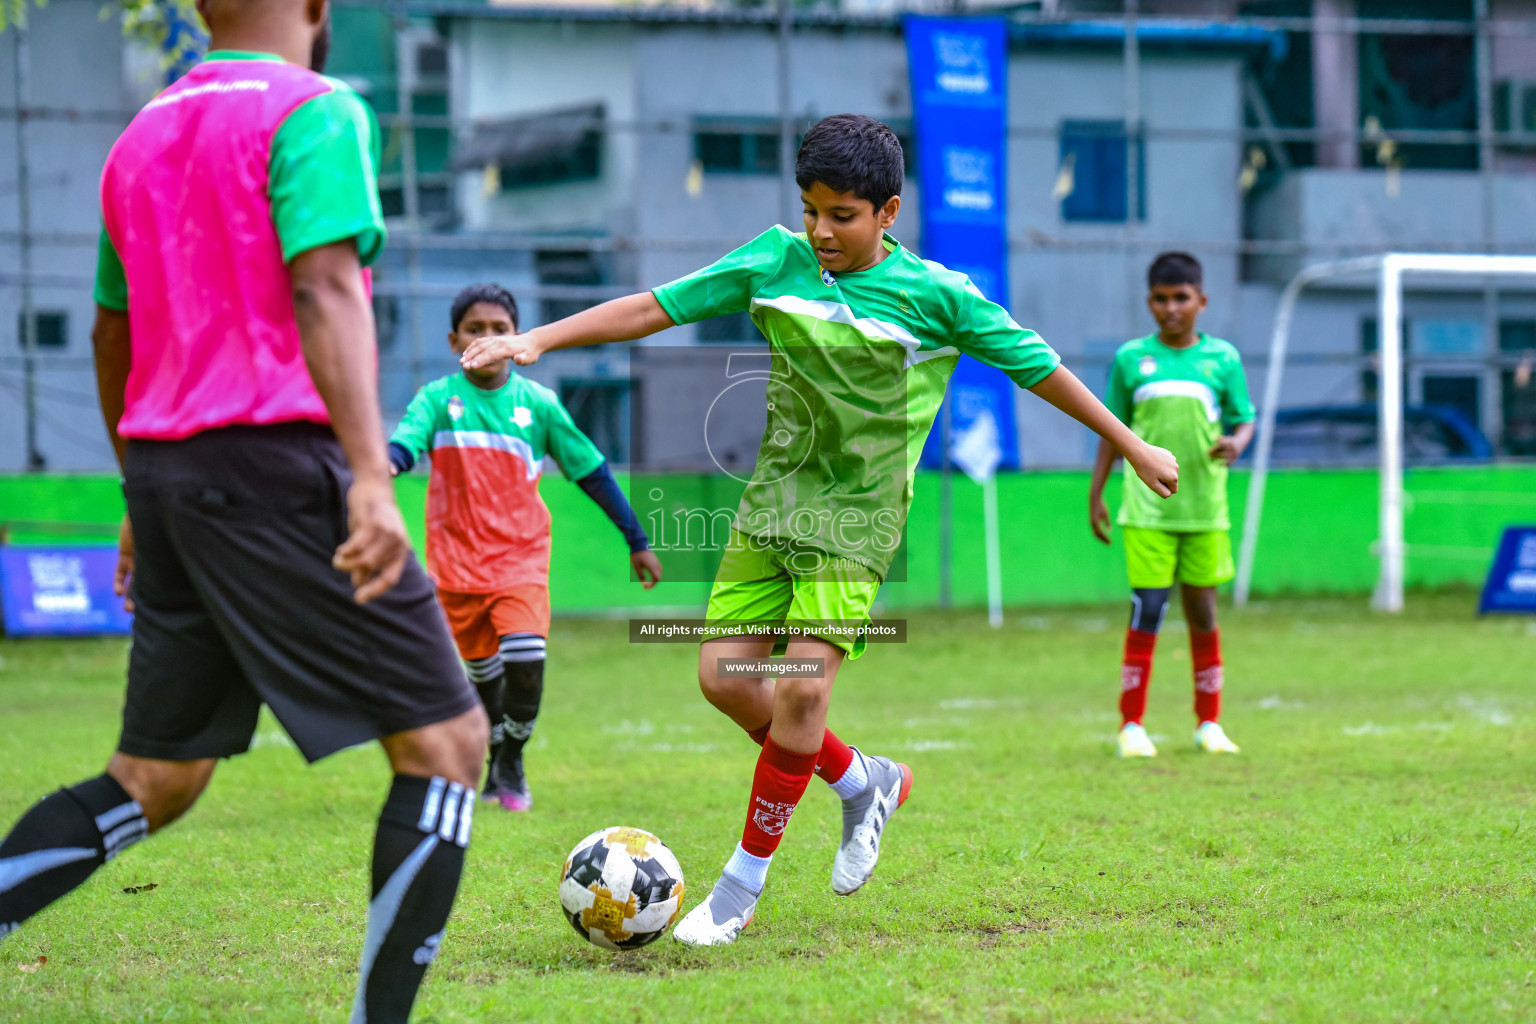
{"x": 863, "y": 336}
{"x": 1180, "y": 389}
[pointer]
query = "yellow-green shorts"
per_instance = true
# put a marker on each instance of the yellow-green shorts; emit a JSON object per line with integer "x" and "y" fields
{"x": 1155, "y": 558}
{"x": 828, "y": 598}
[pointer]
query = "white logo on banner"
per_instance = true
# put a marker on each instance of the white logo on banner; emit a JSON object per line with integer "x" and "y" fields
{"x": 970, "y": 179}
{"x": 58, "y": 584}
{"x": 962, "y": 61}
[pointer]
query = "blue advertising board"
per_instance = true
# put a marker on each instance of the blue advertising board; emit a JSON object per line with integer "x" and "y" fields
{"x": 959, "y": 69}
{"x": 60, "y": 591}
{"x": 1511, "y": 586}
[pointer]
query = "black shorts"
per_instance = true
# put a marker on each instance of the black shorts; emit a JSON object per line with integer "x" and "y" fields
{"x": 237, "y": 605}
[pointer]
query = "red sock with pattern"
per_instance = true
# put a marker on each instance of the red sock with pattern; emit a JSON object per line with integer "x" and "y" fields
{"x": 831, "y": 764}
{"x": 1205, "y": 651}
{"x": 1136, "y": 675}
{"x": 777, "y": 786}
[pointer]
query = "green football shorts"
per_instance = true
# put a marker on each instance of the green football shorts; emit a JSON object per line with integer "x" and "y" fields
{"x": 1155, "y": 558}
{"x": 828, "y": 597}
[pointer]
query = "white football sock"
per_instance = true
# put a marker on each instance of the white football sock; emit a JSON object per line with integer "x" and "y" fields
{"x": 748, "y": 869}
{"x": 854, "y": 779}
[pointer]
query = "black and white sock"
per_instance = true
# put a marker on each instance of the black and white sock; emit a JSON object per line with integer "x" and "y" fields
{"x": 522, "y": 654}
{"x": 59, "y": 843}
{"x": 418, "y": 855}
{"x": 488, "y": 677}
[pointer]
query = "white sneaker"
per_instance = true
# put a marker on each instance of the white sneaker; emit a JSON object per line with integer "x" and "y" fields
{"x": 717, "y": 921}
{"x": 865, "y": 816}
{"x": 1212, "y": 739}
{"x": 1134, "y": 741}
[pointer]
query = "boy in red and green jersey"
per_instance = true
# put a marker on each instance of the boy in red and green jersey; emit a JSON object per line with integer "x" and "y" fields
{"x": 488, "y": 530}
{"x": 1179, "y": 389}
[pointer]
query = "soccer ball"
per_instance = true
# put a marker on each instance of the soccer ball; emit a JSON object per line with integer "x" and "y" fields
{"x": 621, "y": 888}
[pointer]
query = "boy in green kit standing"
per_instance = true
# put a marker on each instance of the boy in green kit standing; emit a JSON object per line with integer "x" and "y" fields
{"x": 1179, "y": 389}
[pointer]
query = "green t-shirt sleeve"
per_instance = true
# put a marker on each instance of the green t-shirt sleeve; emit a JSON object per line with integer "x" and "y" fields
{"x": 1117, "y": 396}
{"x": 323, "y": 176}
{"x": 111, "y": 281}
{"x": 575, "y": 453}
{"x": 1236, "y": 406}
{"x": 984, "y": 331}
{"x": 416, "y": 427}
{"x": 728, "y": 284}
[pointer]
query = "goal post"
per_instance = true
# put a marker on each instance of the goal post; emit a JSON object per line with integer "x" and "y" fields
{"x": 1390, "y": 270}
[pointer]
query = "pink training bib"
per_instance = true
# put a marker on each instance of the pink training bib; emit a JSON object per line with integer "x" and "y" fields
{"x": 184, "y": 195}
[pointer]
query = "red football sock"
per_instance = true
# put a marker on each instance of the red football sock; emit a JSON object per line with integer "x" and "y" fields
{"x": 1205, "y": 651}
{"x": 833, "y": 761}
{"x": 1136, "y": 675}
{"x": 777, "y": 786}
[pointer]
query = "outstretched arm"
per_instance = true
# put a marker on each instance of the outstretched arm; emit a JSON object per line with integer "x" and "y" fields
{"x": 633, "y": 316}
{"x": 1157, "y": 467}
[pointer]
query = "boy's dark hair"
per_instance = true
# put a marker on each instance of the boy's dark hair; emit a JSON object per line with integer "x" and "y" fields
{"x": 494, "y": 294}
{"x": 1175, "y": 268}
{"x": 852, "y": 153}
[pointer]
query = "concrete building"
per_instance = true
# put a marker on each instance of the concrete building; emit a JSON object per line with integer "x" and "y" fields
{"x": 580, "y": 152}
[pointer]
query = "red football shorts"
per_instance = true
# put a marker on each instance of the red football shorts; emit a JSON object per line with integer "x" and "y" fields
{"x": 479, "y": 621}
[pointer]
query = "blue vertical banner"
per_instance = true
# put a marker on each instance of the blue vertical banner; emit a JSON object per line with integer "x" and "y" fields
{"x": 959, "y": 70}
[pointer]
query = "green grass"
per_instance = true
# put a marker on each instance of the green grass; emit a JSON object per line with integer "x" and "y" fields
{"x": 1369, "y": 857}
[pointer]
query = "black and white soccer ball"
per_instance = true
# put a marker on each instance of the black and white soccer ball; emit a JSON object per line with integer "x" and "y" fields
{"x": 621, "y": 888}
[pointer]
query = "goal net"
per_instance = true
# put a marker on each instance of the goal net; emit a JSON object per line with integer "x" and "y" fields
{"x": 1390, "y": 271}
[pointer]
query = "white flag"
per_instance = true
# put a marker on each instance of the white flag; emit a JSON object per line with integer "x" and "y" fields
{"x": 976, "y": 450}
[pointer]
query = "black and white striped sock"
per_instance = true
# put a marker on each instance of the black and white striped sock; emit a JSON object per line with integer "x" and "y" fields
{"x": 488, "y": 675}
{"x": 523, "y": 656}
{"x": 59, "y": 843}
{"x": 418, "y": 856}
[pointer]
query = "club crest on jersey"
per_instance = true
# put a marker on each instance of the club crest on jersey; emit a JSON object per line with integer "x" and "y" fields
{"x": 455, "y": 408}
{"x": 827, "y": 278}
{"x": 522, "y": 416}
{"x": 1147, "y": 367}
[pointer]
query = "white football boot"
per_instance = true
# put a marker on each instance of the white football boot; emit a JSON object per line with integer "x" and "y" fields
{"x": 865, "y": 816}
{"x": 1133, "y": 741}
{"x": 717, "y": 921}
{"x": 1212, "y": 739}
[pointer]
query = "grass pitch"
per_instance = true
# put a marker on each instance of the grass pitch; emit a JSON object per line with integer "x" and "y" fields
{"x": 1368, "y": 857}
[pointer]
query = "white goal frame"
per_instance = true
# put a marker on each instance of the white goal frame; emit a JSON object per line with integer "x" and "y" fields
{"x": 1390, "y": 269}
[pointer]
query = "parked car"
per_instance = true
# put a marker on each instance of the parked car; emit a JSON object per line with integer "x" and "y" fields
{"x": 1329, "y": 435}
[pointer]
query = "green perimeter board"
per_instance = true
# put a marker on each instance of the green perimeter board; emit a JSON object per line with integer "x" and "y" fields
{"x": 1319, "y": 527}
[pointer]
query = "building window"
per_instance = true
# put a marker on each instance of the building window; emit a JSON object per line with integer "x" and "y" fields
{"x": 579, "y": 159}
{"x": 731, "y": 329}
{"x": 600, "y": 408}
{"x": 1093, "y": 181}
{"x": 751, "y": 145}
{"x": 737, "y": 152}
{"x": 549, "y": 147}
{"x": 560, "y": 269}
{"x": 737, "y": 145}
{"x": 386, "y": 319}
{"x": 1517, "y": 387}
{"x": 49, "y": 330}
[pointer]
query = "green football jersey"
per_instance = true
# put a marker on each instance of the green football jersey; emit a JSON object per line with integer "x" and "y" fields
{"x": 1181, "y": 399}
{"x": 859, "y": 365}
